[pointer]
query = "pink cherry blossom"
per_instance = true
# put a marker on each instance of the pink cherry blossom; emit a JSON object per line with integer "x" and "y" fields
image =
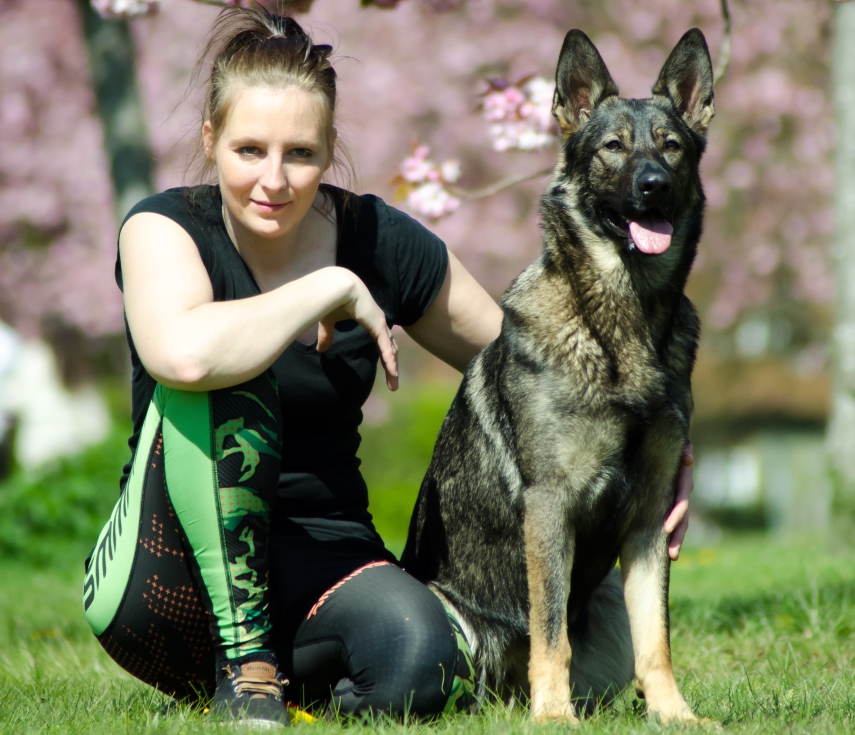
{"x": 520, "y": 115}
{"x": 422, "y": 184}
{"x": 122, "y": 9}
{"x": 432, "y": 200}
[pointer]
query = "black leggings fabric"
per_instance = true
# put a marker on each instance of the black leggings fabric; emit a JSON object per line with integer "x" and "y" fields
{"x": 380, "y": 638}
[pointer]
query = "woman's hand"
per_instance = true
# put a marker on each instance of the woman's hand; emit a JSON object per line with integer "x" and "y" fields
{"x": 677, "y": 522}
{"x": 362, "y": 308}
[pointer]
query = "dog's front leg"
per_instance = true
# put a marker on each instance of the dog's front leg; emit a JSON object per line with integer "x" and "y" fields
{"x": 549, "y": 558}
{"x": 645, "y": 568}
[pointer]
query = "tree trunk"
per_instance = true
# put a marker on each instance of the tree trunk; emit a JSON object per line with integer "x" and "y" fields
{"x": 111, "y": 58}
{"x": 841, "y": 430}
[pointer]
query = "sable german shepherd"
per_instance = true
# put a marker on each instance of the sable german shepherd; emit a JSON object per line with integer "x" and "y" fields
{"x": 560, "y": 452}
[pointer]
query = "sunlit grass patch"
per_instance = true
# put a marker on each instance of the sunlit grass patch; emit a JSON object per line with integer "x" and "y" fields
{"x": 762, "y": 642}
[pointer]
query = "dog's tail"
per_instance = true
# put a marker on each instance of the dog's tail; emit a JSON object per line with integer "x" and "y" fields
{"x": 602, "y": 663}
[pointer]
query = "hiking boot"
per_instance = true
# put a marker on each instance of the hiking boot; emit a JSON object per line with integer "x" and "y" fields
{"x": 250, "y": 694}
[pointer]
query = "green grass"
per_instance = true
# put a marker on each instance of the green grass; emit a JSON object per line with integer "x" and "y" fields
{"x": 762, "y": 638}
{"x": 762, "y": 629}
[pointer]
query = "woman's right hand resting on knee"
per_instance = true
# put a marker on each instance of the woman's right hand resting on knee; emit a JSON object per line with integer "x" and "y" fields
{"x": 188, "y": 341}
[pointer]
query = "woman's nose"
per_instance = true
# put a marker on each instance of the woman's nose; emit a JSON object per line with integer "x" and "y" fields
{"x": 273, "y": 176}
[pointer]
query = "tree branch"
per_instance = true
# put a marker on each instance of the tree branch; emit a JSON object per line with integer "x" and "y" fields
{"x": 501, "y": 185}
{"x": 724, "y": 52}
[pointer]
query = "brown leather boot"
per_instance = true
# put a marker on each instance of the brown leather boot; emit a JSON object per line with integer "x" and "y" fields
{"x": 250, "y": 694}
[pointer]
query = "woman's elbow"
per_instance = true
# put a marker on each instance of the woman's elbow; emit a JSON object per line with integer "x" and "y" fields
{"x": 181, "y": 369}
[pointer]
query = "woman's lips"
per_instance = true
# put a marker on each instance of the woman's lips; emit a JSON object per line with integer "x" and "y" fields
{"x": 267, "y": 206}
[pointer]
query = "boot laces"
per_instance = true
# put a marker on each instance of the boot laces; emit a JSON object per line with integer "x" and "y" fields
{"x": 253, "y": 684}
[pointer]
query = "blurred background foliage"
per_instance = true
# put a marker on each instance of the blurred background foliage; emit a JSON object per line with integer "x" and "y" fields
{"x": 96, "y": 112}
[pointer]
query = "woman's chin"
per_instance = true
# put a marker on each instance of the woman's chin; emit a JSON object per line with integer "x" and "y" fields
{"x": 268, "y": 228}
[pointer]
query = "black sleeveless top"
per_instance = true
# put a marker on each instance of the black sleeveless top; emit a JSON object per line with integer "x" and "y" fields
{"x": 322, "y": 496}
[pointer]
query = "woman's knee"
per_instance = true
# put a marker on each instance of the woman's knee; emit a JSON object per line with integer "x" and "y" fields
{"x": 408, "y": 657}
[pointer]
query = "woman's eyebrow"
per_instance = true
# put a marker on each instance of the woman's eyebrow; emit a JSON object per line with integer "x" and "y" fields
{"x": 250, "y": 140}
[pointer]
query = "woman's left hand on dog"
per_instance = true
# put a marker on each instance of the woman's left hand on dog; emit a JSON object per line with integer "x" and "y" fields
{"x": 677, "y": 522}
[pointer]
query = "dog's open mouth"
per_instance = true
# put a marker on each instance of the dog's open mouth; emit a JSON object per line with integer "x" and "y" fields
{"x": 650, "y": 233}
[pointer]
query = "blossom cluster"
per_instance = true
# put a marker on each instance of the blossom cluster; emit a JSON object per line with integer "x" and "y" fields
{"x": 520, "y": 115}
{"x": 424, "y": 184}
{"x": 122, "y": 9}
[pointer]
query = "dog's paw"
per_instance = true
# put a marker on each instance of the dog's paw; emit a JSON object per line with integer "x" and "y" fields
{"x": 550, "y": 698}
{"x": 676, "y": 714}
{"x": 564, "y": 715}
{"x": 706, "y": 724}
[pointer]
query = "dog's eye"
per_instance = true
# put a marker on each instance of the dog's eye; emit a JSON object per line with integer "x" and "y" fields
{"x": 672, "y": 145}
{"x": 614, "y": 145}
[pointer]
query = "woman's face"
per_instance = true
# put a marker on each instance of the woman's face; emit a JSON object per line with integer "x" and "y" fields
{"x": 270, "y": 157}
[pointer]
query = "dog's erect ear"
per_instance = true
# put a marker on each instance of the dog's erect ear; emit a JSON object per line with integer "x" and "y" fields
{"x": 581, "y": 82}
{"x": 687, "y": 80}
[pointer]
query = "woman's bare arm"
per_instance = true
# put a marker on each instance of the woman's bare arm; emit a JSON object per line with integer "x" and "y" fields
{"x": 186, "y": 340}
{"x": 462, "y": 320}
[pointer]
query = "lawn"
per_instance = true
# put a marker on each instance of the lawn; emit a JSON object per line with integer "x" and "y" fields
{"x": 762, "y": 627}
{"x": 762, "y": 639}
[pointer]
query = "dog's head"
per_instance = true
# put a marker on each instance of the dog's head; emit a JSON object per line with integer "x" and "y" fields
{"x": 633, "y": 164}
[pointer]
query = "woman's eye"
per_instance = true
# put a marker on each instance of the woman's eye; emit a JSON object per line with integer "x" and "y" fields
{"x": 248, "y": 150}
{"x": 614, "y": 145}
{"x": 302, "y": 152}
{"x": 672, "y": 145}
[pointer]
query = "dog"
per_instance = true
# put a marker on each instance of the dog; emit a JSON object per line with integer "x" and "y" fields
{"x": 560, "y": 453}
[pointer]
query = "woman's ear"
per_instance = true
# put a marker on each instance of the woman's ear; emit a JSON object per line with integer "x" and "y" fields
{"x": 208, "y": 139}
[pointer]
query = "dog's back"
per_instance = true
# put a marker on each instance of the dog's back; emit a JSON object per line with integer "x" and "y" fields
{"x": 560, "y": 452}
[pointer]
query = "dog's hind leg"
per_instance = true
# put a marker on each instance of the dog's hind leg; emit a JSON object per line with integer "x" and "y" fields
{"x": 645, "y": 568}
{"x": 549, "y": 558}
{"x": 603, "y": 662}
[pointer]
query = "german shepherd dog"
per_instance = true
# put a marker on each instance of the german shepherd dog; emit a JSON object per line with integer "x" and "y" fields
{"x": 560, "y": 453}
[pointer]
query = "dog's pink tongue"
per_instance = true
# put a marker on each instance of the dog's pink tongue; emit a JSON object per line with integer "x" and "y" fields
{"x": 651, "y": 235}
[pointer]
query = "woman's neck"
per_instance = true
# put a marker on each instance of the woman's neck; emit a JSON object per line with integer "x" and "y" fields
{"x": 305, "y": 248}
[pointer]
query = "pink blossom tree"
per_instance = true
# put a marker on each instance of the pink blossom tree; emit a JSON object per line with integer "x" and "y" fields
{"x": 57, "y": 230}
{"x": 464, "y": 85}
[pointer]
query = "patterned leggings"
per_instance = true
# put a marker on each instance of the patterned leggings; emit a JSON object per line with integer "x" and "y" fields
{"x": 187, "y": 577}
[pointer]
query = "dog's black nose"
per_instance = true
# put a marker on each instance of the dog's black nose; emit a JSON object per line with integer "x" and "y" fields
{"x": 653, "y": 181}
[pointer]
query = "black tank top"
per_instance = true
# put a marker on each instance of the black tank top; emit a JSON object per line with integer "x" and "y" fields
{"x": 322, "y": 496}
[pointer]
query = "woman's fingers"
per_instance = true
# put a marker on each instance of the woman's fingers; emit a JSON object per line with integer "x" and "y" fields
{"x": 388, "y": 356}
{"x": 326, "y": 334}
{"x": 675, "y": 543}
{"x": 677, "y": 522}
{"x": 361, "y": 307}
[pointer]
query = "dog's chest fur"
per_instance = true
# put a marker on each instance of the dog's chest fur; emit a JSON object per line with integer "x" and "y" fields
{"x": 605, "y": 359}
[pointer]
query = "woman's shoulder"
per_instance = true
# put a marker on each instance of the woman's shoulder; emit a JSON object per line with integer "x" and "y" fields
{"x": 193, "y": 208}
{"x": 190, "y": 206}
{"x": 375, "y": 222}
{"x": 400, "y": 260}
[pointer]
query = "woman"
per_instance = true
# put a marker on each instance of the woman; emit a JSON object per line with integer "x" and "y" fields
{"x": 241, "y": 550}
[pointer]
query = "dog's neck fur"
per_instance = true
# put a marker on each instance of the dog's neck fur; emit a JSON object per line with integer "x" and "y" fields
{"x": 599, "y": 292}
